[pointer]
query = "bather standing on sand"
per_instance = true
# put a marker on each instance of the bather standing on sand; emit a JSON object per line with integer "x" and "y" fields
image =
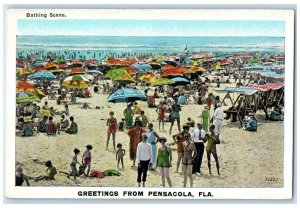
{"x": 152, "y": 139}
{"x": 218, "y": 117}
{"x": 128, "y": 114}
{"x": 135, "y": 136}
{"x": 205, "y": 117}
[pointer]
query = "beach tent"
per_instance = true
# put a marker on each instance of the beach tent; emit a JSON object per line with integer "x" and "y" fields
{"x": 243, "y": 105}
{"x": 268, "y": 96}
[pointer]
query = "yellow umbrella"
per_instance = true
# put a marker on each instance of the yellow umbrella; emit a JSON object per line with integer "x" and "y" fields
{"x": 162, "y": 81}
{"x": 124, "y": 78}
{"x": 56, "y": 70}
{"x": 147, "y": 78}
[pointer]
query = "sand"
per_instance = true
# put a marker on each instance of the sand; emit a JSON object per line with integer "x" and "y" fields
{"x": 246, "y": 158}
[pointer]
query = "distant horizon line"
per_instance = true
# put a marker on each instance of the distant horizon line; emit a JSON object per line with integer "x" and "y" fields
{"x": 160, "y": 36}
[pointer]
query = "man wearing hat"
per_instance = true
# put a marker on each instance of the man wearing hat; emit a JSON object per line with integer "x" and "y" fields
{"x": 143, "y": 156}
{"x": 218, "y": 117}
{"x": 197, "y": 137}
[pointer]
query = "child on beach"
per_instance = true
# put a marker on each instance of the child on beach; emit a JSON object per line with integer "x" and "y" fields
{"x": 87, "y": 158}
{"x": 121, "y": 125}
{"x": 51, "y": 172}
{"x": 120, "y": 154}
{"x": 73, "y": 164}
{"x": 112, "y": 128}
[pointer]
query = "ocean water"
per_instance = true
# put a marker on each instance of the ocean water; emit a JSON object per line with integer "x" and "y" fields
{"x": 100, "y": 47}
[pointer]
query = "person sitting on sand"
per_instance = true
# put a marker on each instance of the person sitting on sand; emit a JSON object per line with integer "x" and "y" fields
{"x": 64, "y": 123}
{"x": 66, "y": 110}
{"x": 21, "y": 177}
{"x": 111, "y": 130}
{"x": 73, "y": 129}
{"x": 45, "y": 111}
{"x": 73, "y": 164}
{"x": 85, "y": 106}
{"x": 87, "y": 93}
{"x": 277, "y": 114}
{"x": 251, "y": 125}
{"x": 181, "y": 99}
{"x": 190, "y": 122}
{"x": 51, "y": 172}
{"x": 87, "y": 158}
{"x": 120, "y": 154}
{"x": 42, "y": 124}
{"x": 53, "y": 111}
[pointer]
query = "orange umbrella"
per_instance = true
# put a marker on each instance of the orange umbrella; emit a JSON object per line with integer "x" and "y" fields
{"x": 131, "y": 70}
{"x": 171, "y": 72}
{"x": 51, "y": 65}
{"x": 23, "y": 86}
{"x": 77, "y": 71}
{"x": 22, "y": 71}
{"x": 169, "y": 67}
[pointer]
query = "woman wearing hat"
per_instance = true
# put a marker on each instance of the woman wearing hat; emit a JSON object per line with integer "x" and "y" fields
{"x": 164, "y": 161}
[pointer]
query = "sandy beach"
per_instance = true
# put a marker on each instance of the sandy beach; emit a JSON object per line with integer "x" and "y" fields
{"x": 246, "y": 158}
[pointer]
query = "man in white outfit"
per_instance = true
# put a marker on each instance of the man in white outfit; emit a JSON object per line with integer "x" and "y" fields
{"x": 143, "y": 156}
{"x": 218, "y": 117}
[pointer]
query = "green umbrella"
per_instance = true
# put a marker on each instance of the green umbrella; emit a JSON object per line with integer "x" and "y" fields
{"x": 25, "y": 97}
{"x": 115, "y": 72}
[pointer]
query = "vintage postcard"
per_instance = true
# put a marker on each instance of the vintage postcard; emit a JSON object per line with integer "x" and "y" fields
{"x": 149, "y": 104}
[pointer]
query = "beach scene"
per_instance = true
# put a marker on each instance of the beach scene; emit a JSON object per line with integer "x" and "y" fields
{"x": 150, "y": 103}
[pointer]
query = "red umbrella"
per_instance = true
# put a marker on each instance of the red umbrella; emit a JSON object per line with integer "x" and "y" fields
{"x": 21, "y": 64}
{"x": 63, "y": 66}
{"x": 24, "y": 84}
{"x": 38, "y": 68}
{"x": 89, "y": 62}
{"x": 171, "y": 72}
{"x": 169, "y": 67}
{"x": 51, "y": 65}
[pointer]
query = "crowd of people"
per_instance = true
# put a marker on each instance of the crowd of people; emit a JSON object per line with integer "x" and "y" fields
{"x": 192, "y": 139}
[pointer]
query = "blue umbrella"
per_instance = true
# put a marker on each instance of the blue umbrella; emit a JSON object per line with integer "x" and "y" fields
{"x": 142, "y": 68}
{"x": 180, "y": 81}
{"x": 126, "y": 95}
{"x": 95, "y": 71}
{"x": 43, "y": 75}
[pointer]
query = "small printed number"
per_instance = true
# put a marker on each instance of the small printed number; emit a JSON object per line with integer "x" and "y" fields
{"x": 272, "y": 179}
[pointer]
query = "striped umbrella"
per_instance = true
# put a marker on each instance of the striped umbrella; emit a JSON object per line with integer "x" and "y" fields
{"x": 25, "y": 97}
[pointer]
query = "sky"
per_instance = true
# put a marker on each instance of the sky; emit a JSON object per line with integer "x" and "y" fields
{"x": 151, "y": 27}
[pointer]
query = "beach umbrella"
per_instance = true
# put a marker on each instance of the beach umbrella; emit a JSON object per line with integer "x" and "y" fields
{"x": 21, "y": 64}
{"x": 56, "y": 70}
{"x": 126, "y": 95}
{"x": 22, "y": 72}
{"x": 76, "y": 82}
{"x": 155, "y": 65}
{"x": 32, "y": 90}
{"x": 125, "y": 78}
{"x": 148, "y": 78}
{"x": 115, "y": 72}
{"x": 25, "y": 97}
{"x": 38, "y": 68}
{"x": 77, "y": 71}
{"x": 43, "y": 75}
{"x": 89, "y": 62}
{"x": 162, "y": 81}
{"x": 50, "y": 65}
{"x": 75, "y": 64}
{"x": 169, "y": 67}
{"x": 171, "y": 72}
{"x": 142, "y": 68}
{"x": 131, "y": 70}
{"x": 180, "y": 81}
{"x": 62, "y": 66}
{"x": 38, "y": 63}
{"x": 95, "y": 71}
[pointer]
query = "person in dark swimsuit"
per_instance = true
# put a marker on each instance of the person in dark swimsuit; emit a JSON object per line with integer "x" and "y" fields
{"x": 20, "y": 177}
{"x": 189, "y": 155}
